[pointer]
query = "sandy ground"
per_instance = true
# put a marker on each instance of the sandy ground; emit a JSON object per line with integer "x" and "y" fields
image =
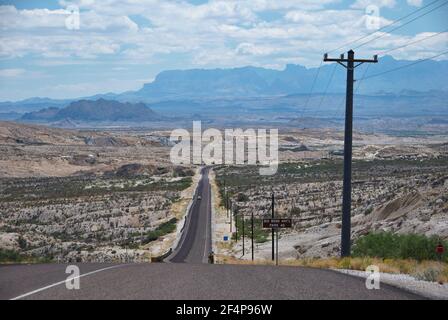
{"x": 431, "y": 290}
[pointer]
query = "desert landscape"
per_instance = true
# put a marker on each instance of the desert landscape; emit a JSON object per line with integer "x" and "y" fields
{"x": 83, "y": 196}
{"x": 400, "y": 185}
{"x": 113, "y": 195}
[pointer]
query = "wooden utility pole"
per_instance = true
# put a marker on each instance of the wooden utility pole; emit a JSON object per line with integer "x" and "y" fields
{"x": 236, "y": 226}
{"x": 273, "y": 216}
{"x": 252, "y": 236}
{"x": 244, "y": 239}
{"x": 351, "y": 64}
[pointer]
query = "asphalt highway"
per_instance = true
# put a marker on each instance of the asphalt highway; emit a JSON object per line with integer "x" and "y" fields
{"x": 195, "y": 243}
{"x": 183, "y": 281}
{"x": 187, "y": 276}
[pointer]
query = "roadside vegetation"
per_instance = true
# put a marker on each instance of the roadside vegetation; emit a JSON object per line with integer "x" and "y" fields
{"x": 410, "y": 254}
{"x": 387, "y": 245}
{"x": 73, "y": 187}
{"x": 14, "y": 257}
{"x": 260, "y": 235}
{"x": 87, "y": 217}
{"x": 238, "y": 178}
{"x": 425, "y": 270}
{"x": 162, "y": 230}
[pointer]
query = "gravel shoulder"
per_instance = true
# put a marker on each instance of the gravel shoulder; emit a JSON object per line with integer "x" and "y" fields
{"x": 430, "y": 290}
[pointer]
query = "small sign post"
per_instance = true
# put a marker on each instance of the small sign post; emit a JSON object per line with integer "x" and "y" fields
{"x": 276, "y": 224}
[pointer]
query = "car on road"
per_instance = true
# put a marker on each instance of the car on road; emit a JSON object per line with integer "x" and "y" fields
{"x": 199, "y": 198}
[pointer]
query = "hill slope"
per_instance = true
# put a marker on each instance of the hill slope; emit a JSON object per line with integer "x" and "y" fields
{"x": 99, "y": 110}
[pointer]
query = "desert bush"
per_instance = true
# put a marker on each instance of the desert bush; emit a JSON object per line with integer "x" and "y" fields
{"x": 164, "y": 229}
{"x": 295, "y": 211}
{"x": 11, "y": 256}
{"x": 430, "y": 274}
{"x": 260, "y": 235}
{"x": 242, "y": 197}
{"x": 398, "y": 246}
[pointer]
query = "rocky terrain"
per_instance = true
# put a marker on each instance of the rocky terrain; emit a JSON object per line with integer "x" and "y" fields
{"x": 69, "y": 195}
{"x": 31, "y": 150}
{"x": 113, "y": 195}
{"x": 399, "y": 185}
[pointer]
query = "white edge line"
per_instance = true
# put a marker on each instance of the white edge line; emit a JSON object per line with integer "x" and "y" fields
{"x": 207, "y": 221}
{"x": 64, "y": 281}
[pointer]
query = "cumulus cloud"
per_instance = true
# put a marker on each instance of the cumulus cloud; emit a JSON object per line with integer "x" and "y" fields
{"x": 251, "y": 49}
{"x": 213, "y": 34}
{"x": 11, "y": 73}
{"x": 35, "y": 19}
{"x": 363, "y": 4}
{"x": 415, "y": 3}
{"x": 422, "y": 45}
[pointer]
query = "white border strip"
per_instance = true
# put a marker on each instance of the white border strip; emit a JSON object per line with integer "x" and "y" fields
{"x": 64, "y": 281}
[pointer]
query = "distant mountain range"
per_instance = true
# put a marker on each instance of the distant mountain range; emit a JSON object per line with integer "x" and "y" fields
{"x": 97, "y": 110}
{"x": 419, "y": 89}
{"x": 294, "y": 79}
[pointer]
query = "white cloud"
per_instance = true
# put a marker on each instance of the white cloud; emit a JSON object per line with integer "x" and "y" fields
{"x": 16, "y": 20}
{"x": 217, "y": 33}
{"x": 415, "y": 3}
{"x": 13, "y": 19}
{"x": 363, "y": 4}
{"x": 432, "y": 45}
{"x": 230, "y": 27}
{"x": 178, "y": 34}
{"x": 76, "y": 46}
{"x": 11, "y": 73}
{"x": 251, "y": 49}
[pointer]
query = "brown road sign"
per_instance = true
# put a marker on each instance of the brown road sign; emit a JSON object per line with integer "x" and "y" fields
{"x": 277, "y": 223}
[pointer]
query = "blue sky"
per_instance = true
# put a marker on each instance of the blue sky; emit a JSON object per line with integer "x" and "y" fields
{"x": 120, "y": 45}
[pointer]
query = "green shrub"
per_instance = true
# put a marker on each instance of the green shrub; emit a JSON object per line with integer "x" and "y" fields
{"x": 242, "y": 197}
{"x": 260, "y": 235}
{"x": 22, "y": 243}
{"x": 11, "y": 256}
{"x": 164, "y": 229}
{"x": 398, "y": 246}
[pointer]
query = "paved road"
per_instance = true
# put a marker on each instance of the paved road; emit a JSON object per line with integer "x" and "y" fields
{"x": 195, "y": 244}
{"x": 189, "y": 282}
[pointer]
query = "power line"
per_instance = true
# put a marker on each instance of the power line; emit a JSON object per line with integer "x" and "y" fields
{"x": 413, "y": 42}
{"x": 312, "y": 89}
{"x": 390, "y": 50}
{"x": 378, "y": 37}
{"x": 401, "y": 26}
{"x": 338, "y": 114}
{"x": 362, "y": 78}
{"x": 327, "y": 87}
{"x": 386, "y": 26}
{"x": 405, "y": 66}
